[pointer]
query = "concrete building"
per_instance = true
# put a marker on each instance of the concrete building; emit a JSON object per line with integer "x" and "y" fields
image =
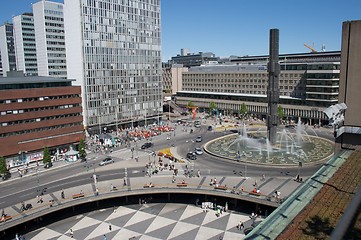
{"x": 309, "y": 84}
{"x": 349, "y": 133}
{"x": 36, "y": 112}
{"x": 25, "y": 47}
{"x": 193, "y": 59}
{"x": 7, "y": 48}
{"x": 49, "y": 37}
{"x": 172, "y": 77}
{"x": 115, "y": 55}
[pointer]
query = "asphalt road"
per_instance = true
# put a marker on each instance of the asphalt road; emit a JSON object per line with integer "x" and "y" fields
{"x": 75, "y": 174}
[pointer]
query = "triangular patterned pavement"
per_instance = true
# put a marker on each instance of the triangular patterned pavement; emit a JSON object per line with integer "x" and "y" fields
{"x": 154, "y": 209}
{"x": 182, "y": 228}
{"x": 122, "y": 220}
{"x": 195, "y": 219}
{"x": 191, "y": 234}
{"x": 220, "y": 223}
{"x": 140, "y": 226}
{"x": 159, "y": 222}
{"x": 175, "y": 214}
{"x": 163, "y": 232}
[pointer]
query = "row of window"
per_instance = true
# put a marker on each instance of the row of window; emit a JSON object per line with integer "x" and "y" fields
{"x": 24, "y": 121}
{"x": 20, "y": 111}
{"x": 7, "y": 101}
{"x": 36, "y": 130}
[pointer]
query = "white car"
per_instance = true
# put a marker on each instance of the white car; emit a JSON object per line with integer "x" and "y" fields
{"x": 198, "y": 151}
{"x": 106, "y": 161}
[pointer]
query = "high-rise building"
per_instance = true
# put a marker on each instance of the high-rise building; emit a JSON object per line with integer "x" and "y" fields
{"x": 114, "y": 53}
{"x": 49, "y": 37}
{"x": 25, "y": 47}
{"x": 7, "y": 49}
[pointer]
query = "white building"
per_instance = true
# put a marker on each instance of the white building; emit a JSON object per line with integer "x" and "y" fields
{"x": 114, "y": 53}
{"x": 25, "y": 47}
{"x": 49, "y": 36}
{"x": 7, "y": 50}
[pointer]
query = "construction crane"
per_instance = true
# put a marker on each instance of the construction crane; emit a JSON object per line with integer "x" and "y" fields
{"x": 309, "y": 47}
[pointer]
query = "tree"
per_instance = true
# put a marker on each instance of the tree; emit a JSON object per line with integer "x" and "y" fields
{"x": 46, "y": 157}
{"x": 243, "y": 111}
{"x": 212, "y": 107}
{"x": 190, "y": 106}
{"x": 3, "y": 167}
{"x": 281, "y": 113}
{"x": 81, "y": 147}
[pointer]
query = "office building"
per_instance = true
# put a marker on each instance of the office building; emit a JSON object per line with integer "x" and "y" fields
{"x": 309, "y": 83}
{"x": 49, "y": 37}
{"x": 25, "y": 47}
{"x": 172, "y": 77}
{"x": 38, "y": 112}
{"x": 114, "y": 53}
{"x": 7, "y": 48}
{"x": 193, "y": 59}
{"x": 348, "y": 133}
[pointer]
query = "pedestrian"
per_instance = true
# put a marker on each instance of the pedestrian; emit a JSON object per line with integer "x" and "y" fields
{"x": 71, "y": 233}
{"x": 110, "y": 227}
{"x": 62, "y": 194}
{"x": 125, "y": 182}
{"x": 105, "y": 237}
{"x": 96, "y": 191}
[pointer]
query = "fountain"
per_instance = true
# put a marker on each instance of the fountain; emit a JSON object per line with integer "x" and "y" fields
{"x": 271, "y": 146}
{"x": 254, "y": 147}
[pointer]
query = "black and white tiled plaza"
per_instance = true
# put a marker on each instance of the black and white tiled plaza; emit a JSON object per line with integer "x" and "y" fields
{"x": 152, "y": 221}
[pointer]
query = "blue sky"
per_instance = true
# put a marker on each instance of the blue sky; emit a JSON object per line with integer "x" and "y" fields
{"x": 238, "y": 27}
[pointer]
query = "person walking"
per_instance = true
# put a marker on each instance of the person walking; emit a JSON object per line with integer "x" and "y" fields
{"x": 62, "y": 194}
{"x": 71, "y": 233}
{"x": 110, "y": 227}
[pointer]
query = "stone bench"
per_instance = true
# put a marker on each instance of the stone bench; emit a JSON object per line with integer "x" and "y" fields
{"x": 5, "y": 218}
{"x": 182, "y": 184}
{"x": 79, "y": 195}
{"x": 221, "y": 187}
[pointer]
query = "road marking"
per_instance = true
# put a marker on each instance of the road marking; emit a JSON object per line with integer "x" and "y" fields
{"x": 135, "y": 171}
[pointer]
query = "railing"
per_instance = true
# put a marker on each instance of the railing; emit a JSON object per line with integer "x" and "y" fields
{"x": 86, "y": 197}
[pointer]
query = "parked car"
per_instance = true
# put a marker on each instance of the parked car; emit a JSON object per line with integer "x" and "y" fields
{"x": 191, "y": 156}
{"x": 106, "y": 161}
{"x": 198, "y": 151}
{"x": 5, "y": 176}
{"x": 199, "y": 139}
{"x": 146, "y": 145}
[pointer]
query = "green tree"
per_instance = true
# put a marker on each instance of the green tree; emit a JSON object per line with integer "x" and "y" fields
{"x": 81, "y": 147}
{"x": 190, "y": 106}
{"x": 46, "y": 157}
{"x": 281, "y": 113}
{"x": 212, "y": 107}
{"x": 243, "y": 111}
{"x": 3, "y": 167}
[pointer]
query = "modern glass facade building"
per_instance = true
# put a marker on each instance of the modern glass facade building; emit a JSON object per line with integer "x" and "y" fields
{"x": 25, "y": 47}
{"x": 49, "y": 35}
{"x": 114, "y": 53}
{"x": 7, "y": 49}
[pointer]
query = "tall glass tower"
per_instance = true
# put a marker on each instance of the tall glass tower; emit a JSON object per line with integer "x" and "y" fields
{"x": 113, "y": 50}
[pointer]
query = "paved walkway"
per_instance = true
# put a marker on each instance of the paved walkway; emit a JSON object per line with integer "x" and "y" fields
{"x": 150, "y": 221}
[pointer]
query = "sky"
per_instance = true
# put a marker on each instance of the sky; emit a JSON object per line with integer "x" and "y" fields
{"x": 238, "y": 27}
